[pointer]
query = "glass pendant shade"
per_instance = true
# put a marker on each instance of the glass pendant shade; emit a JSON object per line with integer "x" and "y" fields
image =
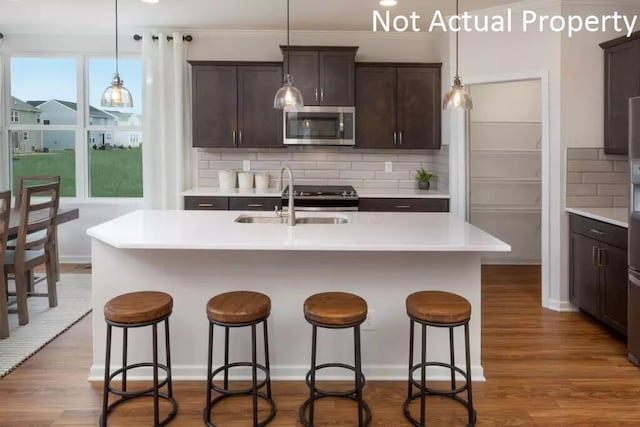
{"x": 116, "y": 95}
{"x": 457, "y": 97}
{"x": 288, "y": 97}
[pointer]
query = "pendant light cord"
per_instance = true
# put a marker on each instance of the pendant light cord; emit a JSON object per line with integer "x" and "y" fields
{"x": 117, "y": 72}
{"x": 288, "y": 40}
{"x": 457, "y": 38}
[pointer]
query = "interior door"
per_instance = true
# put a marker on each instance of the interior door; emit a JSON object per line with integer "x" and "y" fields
{"x": 419, "y": 98}
{"x": 375, "y": 107}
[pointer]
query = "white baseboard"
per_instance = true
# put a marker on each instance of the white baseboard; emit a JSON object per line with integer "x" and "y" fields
{"x": 290, "y": 373}
{"x": 75, "y": 259}
{"x": 562, "y": 306}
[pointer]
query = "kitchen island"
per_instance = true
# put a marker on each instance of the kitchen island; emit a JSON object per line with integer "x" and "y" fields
{"x": 383, "y": 257}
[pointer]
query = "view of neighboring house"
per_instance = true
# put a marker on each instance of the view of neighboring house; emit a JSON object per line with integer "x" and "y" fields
{"x": 22, "y": 113}
{"x": 58, "y": 112}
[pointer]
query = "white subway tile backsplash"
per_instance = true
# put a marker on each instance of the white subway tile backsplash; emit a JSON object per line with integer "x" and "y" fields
{"x": 300, "y": 165}
{"x": 265, "y": 165}
{"x": 208, "y": 155}
{"x": 274, "y": 156}
{"x": 367, "y": 166}
{"x": 344, "y": 157}
{"x": 583, "y": 153}
{"x": 604, "y": 178}
{"x": 410, "y": 166}
{"x": 313, "y": 155}
{"x": 380, "y": 184}
{"x": 357, "y": 174}
{"x": 352, "y": 182}
{"x": 225, "y": 164}
{"x": 334, "y": 165}
{"x": 327, "y": 174}
{"x": 380, "y": 157}
{"x": 232, "y": 155}
{"x": 393, "y": 175}
{"x": 621, "y": 166}
{"x": 590, "y": 166}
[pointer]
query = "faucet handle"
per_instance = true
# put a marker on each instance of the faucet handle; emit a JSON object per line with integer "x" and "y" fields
{"x": 277, "y": 211}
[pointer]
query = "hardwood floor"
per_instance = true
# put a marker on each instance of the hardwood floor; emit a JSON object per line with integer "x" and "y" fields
{"x": 543, "y": 368}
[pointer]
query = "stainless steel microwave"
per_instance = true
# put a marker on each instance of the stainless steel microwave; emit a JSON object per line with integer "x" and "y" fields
{"x": 320, "y": 126}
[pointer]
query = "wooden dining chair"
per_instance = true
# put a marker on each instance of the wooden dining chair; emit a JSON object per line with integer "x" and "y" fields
{"x": 5, "y": 209}
{"x": 22, "y": 182}
{"x": 38, "y": 210}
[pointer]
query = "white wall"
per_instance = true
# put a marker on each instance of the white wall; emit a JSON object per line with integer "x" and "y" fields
{"x": 500, "y": 101}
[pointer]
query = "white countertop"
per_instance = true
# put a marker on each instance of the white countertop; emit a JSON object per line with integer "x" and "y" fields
{"x": 362, "y": 193}
{"x": 216, "y": 230}
{"x": 615, "y": 216}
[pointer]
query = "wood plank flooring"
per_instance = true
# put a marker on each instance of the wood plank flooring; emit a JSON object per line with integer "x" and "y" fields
{"x": 543, "y": 369}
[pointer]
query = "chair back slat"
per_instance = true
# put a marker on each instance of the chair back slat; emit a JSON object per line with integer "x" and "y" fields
{"x": 36, "y": 215}
{"x": 23, "y": 181}
{"x": 5, "y": 210}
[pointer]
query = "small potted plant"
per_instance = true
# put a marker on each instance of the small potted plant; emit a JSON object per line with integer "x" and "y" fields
{"x": 423, "y": 177}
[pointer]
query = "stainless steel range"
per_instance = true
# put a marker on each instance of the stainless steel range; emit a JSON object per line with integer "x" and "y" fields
{"x": 330, "y": 198}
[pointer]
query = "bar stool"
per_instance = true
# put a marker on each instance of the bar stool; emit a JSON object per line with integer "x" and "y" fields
{"x": 235, "y": 310}
{"x": 135, "y": 310}
{"x": 440, "y": 310}
{"x": 335, "y": 310}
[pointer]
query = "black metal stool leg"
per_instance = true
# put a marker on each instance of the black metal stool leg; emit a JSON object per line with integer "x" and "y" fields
{"x": 226, "y": 358}
{"x": 358, "y": 374}
{"x": 207, "y": 407}
{"x": 423, "y": 381}
{"x": 411, "y": 333}
{"x": 312, "y": 391}
{"x": 105, "y": 387}
{"x": 266, "y": 357}
{"x": 254, "y": 374}
{"x": 168, "y": 350}
{"x": 156, "y": 403}
{"x": 452, "y": 353}
{"x": 472, "y": 416}
{"x": 125, "y": 340}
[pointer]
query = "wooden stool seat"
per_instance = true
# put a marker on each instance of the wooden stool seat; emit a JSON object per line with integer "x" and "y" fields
{"x": 335, "y": 308}
{"x": 138, "y": 307}
{"x": 438, "y": 307}
{"x": 239, "y": 307}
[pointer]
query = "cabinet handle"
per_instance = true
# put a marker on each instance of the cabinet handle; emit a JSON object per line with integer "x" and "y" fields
{"x": 316, "y": 94}
{"x": 205, "y": 205}
{"x": 322, "y": 95}
{"x": 255, "y": 205}
{"x": 395, "y": 138}
{"x": 240, "y": 138}
{"x": 400, "y": 140}
{"x": 598, "y": 232}
{"x": 233, "y": 137}
{"x": 594, "y": 251}
{"x": 403, "y": 207}
{"x": 602, "y": 258}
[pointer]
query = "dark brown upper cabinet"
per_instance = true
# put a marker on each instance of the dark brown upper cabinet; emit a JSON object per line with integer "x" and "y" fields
{"x": 324, "y": 75}
{"x": 622, "y": 81}
{"x": 233, "y": 104}
{"x": 398, "y": 106}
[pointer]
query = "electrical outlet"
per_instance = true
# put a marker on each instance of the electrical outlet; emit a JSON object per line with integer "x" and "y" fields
{"x": 370, "y": 323}
{"x": 388, "y": 166}
{"x": 246, "y": 165}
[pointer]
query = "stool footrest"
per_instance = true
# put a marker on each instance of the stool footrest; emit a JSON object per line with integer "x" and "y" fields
{"x": 418, "y": 395}
{"x": 435, "y": 391}
{"x": 206, "y": 414}
{"x": 242, "y": 391}
{"x": 303, "y": 409}
{"x": 145, "y": 393}
{"x": 131, "y": 394}
{"x": 321, "y": 392}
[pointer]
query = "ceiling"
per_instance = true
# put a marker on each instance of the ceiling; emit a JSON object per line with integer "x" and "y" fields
{"x": 96, "y": 16}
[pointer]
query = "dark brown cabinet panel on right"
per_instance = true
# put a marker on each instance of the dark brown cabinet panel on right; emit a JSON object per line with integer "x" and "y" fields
{"x": 622, "y": 81}
{"x": 398, "y": 106}
{"x": 598, "y": 270}
{"x": 403, "y": 205}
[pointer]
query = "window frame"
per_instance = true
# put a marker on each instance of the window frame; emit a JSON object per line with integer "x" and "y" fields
{"x": 81, "y": 129}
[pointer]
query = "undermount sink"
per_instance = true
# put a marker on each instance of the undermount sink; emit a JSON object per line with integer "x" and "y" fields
{"x": 247, "y": 219}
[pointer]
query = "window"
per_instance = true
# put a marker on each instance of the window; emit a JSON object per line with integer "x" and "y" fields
{"x": 115, "y": 157}
{"x": 46, "y": 125}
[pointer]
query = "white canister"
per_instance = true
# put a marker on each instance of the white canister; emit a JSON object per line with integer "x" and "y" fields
{"x": 245, "y": 180}
{"x": 227, "y": 178}
{"x": 262, "y": 181}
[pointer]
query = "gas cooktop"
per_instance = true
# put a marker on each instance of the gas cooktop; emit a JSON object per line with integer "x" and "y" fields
{"x": 322, "y": 191}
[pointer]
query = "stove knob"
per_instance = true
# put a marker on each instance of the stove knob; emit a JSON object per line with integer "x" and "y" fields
{"x": 344, "y": 193}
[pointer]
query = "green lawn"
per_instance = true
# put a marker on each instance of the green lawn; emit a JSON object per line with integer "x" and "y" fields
{"x": 114, "y": 173}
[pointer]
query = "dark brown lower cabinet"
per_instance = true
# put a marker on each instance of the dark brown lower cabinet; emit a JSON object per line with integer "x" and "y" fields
{"x": 192, "y": 203}
{"x": 404, "y": 205}
{"x": 598, "y": 271}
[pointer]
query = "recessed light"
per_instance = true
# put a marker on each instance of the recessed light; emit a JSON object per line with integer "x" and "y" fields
{"x": 388, "y": 3}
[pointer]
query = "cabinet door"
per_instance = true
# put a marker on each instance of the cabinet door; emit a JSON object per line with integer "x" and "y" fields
{"x": 403, "y": 205}
{"x": 614, "y": 280}
{"x": 259, "y": 124}
{"x": 205, "y": 203}
{"x": 585, "y": 274}
{"x": 419, "y": 107}
{"x": 375, "y": 107}
{"x": 337, "y": 74}
{"x": 215, "y": 106}
{"x": 303, "y": 67}
{"x": 622, "y": 81}
{"x": 254, "y": 203}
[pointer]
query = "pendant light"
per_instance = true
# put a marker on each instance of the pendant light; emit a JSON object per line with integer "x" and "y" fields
{"x": 457, "y": 97}
{"x": 288, "y": 97}
{"x": 116, "y": 95}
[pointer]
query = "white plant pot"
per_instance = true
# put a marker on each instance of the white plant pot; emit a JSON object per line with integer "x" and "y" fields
{"x": 262, "y": 181}
{"x": 245, "y": 180}
{"x": 227, "y": 178}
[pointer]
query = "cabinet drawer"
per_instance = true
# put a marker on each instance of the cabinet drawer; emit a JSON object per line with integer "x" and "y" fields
{"x": 206, "y": 203}
{"x": 607, "y": 233}
{"x": 254, "y": 203}
{"x": 404, "y": 205}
